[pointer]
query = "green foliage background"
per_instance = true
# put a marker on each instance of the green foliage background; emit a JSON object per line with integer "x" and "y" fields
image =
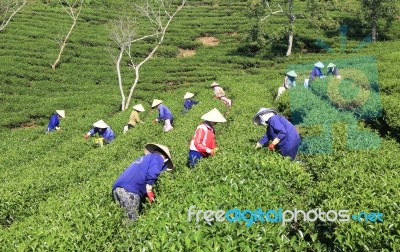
{"x": 56, "y": 188}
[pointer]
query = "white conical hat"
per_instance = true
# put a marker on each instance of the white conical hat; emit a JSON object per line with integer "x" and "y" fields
{"x": 150, "y": 147}
{"x": 61, "y": 113}
{"x": 319, "y": 65}
{"x": 214, "y": 84}
{"x": 214, "y": 116}
{"x": 188, "y": 95}
{"x": 262, "y": 111}
{"x": 156, "y": 102}
{"x": 331, "y": 65}
{"x": 291, "y": 73}
{"x": 139, "y": 108}
{"x": 100, "y": 124}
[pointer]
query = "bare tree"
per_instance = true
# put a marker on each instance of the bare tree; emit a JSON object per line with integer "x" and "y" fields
{"x": 291, "y": 18}
{"x": 8, "y": 8}
{"x": 159, "y": 13}
{"x": 73, "y": 9}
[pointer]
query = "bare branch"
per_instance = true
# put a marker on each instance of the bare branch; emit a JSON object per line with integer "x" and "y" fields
{"x": 14, "y": 11}
{"x": 74, "y": 14}
{"x": 272, "y": 12}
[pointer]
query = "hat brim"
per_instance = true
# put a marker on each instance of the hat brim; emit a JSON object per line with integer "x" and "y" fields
{"x": 256, "y": 118}
{"x": 151, "y": 147}
{"x": 188, "y": 97}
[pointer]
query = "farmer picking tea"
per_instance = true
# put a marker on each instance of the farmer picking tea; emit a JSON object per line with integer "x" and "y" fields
{"x": 317, "y": 71}
{"x": 219, "y": 93}
{"x": 288, "y": 82}
{"x": 134, "y": 117}
{"x": 188, "y": 104}
{"x": 54, "y": 123}
{"x": 138, "y": 179}
{"x": 203, "y": 142}
{"x": 281, "y": 134}
{"x": 106, "y": 135}
{"x": 164, "y": 114}
{"x": 332, "y": 70}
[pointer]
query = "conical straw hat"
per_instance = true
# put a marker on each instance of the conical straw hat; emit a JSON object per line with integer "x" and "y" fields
{"x": 156, "y": 102}
{"x": 61, "y": 113}
{"x": 291, "y": 73}
{"x": 188, "y": 95}
{"x": 139, "y": 108}
{"x": 319, "y": 65}
{"x": 151, "y": 147}
{"x": 262, "y": 111}
{"x": 214, "y": 84}
{"x": 100, "y": 124}
{"x": 214, "y": 116}
{"x": 331, "y": 65}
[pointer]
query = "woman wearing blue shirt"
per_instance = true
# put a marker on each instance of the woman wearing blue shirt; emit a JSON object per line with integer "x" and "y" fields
{"x": 164, "y": 114}
{"x": 54, "y": 123}
{"x": 316, "y": 71}
{"x": 280, "y": 132}
{"x": 103, "y": 130}
{"x": 138, "y": 179}
{"x": 188, "y": 104}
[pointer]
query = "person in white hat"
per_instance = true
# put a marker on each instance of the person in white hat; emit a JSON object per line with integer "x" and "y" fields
{"x": 164, "y": 114}
{"x": 332, "y": 69}
{"x": 288, "y": 82}
{"x": 134, "y": 117}
{"x": 139, "y": 178}
{"x": 203, "y": 142}
{"x": 280, "y": 133}
{"x": 219, "y": 93}
{"x": 54, "y": 123}
{"x": 103, "y": 130}
{"x": 189, "y": 102}
{"x": 317, "y": 71}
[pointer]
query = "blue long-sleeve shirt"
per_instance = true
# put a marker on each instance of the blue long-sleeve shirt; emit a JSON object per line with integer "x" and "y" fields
{"x": 107, "y": 134}
{"x": 316, "y": 72}
{"x": 189, "y": 103}
{"x": 144, "y": 170}
{"x": 164, "y": 113}
{"x": 280, "y": 127}
{"x": 54, "y": 122}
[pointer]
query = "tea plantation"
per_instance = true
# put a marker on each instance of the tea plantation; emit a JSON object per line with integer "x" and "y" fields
{"x": 56, "y": 188}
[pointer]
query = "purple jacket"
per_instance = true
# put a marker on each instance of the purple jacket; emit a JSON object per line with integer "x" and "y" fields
{"x": 164, "y": 113}
{"x": 280, "y": 127}
{"x": 54, "y": 122}
{"x": 189, "y": 103}
{"x": 315, "y": 72}
{"x": 144, "y": 170}
{"x": 107, "y": 134}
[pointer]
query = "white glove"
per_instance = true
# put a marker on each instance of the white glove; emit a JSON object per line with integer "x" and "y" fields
{"x": 149, "y": 188}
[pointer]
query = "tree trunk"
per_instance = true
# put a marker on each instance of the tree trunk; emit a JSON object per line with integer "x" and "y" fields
{"x": 121, "y": 89}
{"x": 289, "y": 51}
{"x": 128, "y": 101}
{"x": 63, "y": 46}
{"x": 374, "y": 32}
{"x": 291, "y": 19}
